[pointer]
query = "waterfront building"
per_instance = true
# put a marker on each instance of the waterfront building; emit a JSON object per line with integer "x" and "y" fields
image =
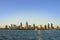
{"x": 26, "y": 24}
{"x": 33, "y": 26}
{"x": 26, "y": 27}
{"x": 48, "y": 26}
{"x": 29, "y": 27}
{"x": 36, "y": 27}
{"x": 52, "y": 26}
{"x": 18, "y": 27}
{"x": 6, "y": 26}
{"x": 21, "y": 24}
{"x": 45, "y": 27}
{"x": 9, "y": 27}
{"x": 41, "y": 27}
{"x": 14, "y": 26}
{"x": 57, "y": 27}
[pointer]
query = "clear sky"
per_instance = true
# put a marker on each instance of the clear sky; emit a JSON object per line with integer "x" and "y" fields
{"x": 33, "y": 11}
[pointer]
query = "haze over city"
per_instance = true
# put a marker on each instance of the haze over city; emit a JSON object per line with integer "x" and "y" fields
{"x": 34, "y": 11}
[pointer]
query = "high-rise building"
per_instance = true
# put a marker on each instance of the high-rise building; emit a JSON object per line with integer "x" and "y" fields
{"x": 26, "y": 23}
{"x": 21, "y": 24}
{"x": 41, "y": 27}
{"x": 29, "y": 27}
{"x": 52, "y": 26}
{"x": 36, "y": 27}
{"x": 20, "y": 27}
{"x": 6, "y": 26}
{"x": 14, "y": 26}
{"x": 48, "y": 26}
{"x": 33, "y": 26}
{"x": 11, "y": 25}
{"x": 57, "y": 27}
{"x": 26, "y": 27}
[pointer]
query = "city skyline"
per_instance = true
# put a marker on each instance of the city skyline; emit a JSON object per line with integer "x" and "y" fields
{"x": 30, "y": 27}
{"x": 27, "y": 24}
{"x": 34, "y": 11}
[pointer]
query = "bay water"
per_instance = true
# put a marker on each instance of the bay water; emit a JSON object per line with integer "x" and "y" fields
{"x": 29, "y": 35}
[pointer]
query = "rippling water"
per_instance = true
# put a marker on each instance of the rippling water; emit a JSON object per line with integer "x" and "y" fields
{"x": 29, "y": 35}
{"x": 50, "y": 34}
{"x": 18, "y": 35}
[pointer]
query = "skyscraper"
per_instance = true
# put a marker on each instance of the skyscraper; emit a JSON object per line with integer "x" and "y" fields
{"x": 26, "y": 25}
{"x": 45, "y": 27}
{"x": 11, "y": 26}
{"x": 48, "y": 26}
{"x": 29, "y": 27}
{"x": 15, "y": 27}
{"x": 57, "y": 27}
{"x": 52, "y": 26}
{"x": 41, "y": 27}
{"x": 33, "y": 26}
{"x": 21, "y": 24}
{"x": 6, "y": 27}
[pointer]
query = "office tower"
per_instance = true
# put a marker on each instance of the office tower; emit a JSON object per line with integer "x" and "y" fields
{"x": 29, "y": 27}
{"x": 41, "y": 27}
{"x": 6, "y": 27}
{"x": 14, "y": 26}
{"x": 57, "y": 27}
{"x": 52, "y": 26}
{"x": 9, "y": 27}
{"x": 45, "y": 27}
{"x": 48, "y": 26}
{"x": 36, "y": 27}
{"x": 26, "y": 25}
{"x": 20, "y": 27}
{"x": 21, "y": 24}
{"x": 33, "y": 26}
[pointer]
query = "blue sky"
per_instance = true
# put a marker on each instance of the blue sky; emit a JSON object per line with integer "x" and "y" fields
{"x": 33, "y": 11}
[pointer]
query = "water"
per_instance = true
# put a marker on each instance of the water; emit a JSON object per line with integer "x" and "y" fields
{"x": 50, "y": 34}
{"x": 29, "y": 35}
{"x": 18, "y": 35}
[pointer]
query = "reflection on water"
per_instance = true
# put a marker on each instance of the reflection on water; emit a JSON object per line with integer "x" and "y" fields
{"x": 29, "y": 35}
